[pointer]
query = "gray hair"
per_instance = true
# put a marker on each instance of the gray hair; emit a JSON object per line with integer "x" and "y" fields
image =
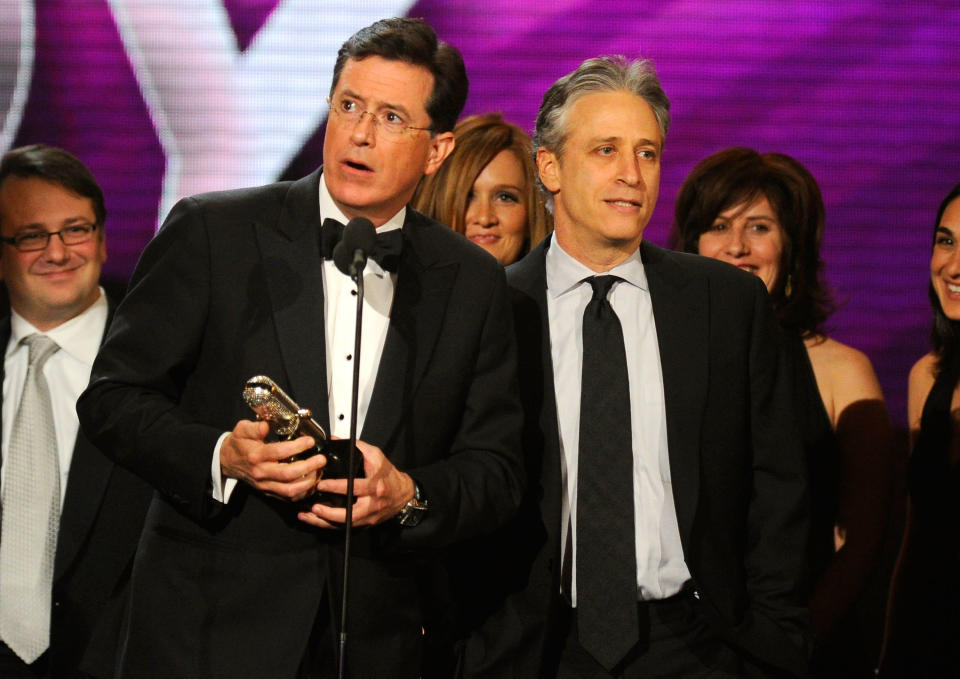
{"x": 601, "y": 74}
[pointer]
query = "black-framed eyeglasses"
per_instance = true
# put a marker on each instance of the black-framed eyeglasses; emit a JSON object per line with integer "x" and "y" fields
{"x": 31, "y": 241}
{"x": 387, "y": 121}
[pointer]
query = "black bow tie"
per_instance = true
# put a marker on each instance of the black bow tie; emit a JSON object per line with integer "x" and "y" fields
{"x": 386, "y": 252}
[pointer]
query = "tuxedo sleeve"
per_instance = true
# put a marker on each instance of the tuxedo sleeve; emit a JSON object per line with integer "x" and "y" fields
{"x": 478, "y": 485}
{"x": 778, "y": 515}
{"x": 132, "y": 409}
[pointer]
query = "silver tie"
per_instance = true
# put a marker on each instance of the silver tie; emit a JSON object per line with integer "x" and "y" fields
{"x": 31, "y": 513}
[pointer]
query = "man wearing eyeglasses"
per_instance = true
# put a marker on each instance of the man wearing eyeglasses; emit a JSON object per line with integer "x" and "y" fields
{"x": 70, "y": 519}
{"x": 239, "y": 570}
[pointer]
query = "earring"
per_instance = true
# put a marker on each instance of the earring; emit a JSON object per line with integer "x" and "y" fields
{"x": 788, "y": 288}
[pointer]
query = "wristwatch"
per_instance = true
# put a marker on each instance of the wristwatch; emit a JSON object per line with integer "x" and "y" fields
{"x": 414, "y": 510}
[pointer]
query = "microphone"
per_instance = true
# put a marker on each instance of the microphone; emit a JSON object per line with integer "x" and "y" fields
{"x": 350, "y": 257}
{"x": 350, "y": 254}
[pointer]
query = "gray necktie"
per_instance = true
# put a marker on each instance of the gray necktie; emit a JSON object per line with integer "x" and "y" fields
{"x": 31, "y": 513}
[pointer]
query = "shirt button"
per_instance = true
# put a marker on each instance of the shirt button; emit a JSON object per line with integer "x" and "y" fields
{"x": 353, "y": 292}
{"x": 340, "y": 416}
{"x": 349, "y": 356}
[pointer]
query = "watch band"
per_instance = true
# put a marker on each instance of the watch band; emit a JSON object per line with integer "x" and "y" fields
{"x": 413, "y": 511}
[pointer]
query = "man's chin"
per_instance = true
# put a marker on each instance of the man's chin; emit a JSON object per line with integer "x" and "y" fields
{"x": 62, "y": 307}
{"x": 367, "y": 206}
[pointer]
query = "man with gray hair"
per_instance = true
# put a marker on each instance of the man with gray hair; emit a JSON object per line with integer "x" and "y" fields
{"x": 664, "y": 526}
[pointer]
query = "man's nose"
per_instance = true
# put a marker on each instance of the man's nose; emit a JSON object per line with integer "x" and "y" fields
{"x": 629, "y": 170}
{"x": 365, "y": 128}
{"x": 56, "y": 250}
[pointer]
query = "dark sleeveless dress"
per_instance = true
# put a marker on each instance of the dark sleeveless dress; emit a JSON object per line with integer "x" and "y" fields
{"x": 823, "y": 458}
{"x": 843, "y": 653}
{"x": 930, "y": 631}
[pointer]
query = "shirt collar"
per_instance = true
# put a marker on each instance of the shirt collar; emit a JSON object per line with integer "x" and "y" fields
{"x": 79, "y": 337}
{"x": 329, "y": 210}
{"x": 564, "y": 273}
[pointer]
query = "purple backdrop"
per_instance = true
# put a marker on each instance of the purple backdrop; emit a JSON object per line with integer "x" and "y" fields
{"x": 865, "y": 94}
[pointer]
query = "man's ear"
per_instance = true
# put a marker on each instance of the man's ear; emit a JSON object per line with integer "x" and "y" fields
{"x": 441, "y": 146}
{"x": 548, "y": 166}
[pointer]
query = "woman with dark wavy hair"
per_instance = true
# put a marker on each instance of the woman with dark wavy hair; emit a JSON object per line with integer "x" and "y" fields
{"x": 764, "y": 214}
{"x": 923, "y": 634}
{"x": 487, "y": 189}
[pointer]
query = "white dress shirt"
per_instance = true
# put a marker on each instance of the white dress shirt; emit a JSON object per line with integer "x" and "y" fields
{"x": 340, "y": 313}
{"x": 661, "y": 570}
{"x": 67, "y": 373}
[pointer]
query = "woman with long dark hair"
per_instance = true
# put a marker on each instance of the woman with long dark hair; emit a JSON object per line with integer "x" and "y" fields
{"x": 923, "y": 633}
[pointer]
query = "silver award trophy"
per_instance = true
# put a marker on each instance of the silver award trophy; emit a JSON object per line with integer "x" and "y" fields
{"x": 288, "y": 421}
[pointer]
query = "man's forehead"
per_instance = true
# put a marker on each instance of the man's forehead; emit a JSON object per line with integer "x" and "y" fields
{"x": 378, "y": 81}
{"x": 615, "y": 115}
{"x": 34, "y": 201}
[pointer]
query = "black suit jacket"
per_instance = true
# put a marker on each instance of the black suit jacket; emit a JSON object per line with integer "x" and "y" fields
{"x": 735, "y": 461}
{"x": 232, "y": 287}
{"x": 100, "y": 525}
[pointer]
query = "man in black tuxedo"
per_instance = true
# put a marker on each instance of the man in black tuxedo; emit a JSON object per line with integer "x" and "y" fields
{"x": 664, "y": 523}
{"x": 62, "y": 598}
{"x": 233, "y": 579}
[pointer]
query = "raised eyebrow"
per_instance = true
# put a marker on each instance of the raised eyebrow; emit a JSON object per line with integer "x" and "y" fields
{"x": 381, "y": 106}
{"x": 34, "y": 226}
{"x": 69, "y": 221}
{"x": 615, "y": 141}
{"x": 658, "y": 146}
{"x": 945, "y": 230}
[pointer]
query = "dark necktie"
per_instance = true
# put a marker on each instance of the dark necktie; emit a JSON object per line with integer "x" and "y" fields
{"x": 386, "y": 252}
{"x": 606, "y": 552}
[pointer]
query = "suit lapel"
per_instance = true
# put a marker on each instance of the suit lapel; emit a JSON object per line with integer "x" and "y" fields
{"x": 424, "y": 283}
{"x": 680, "y": 310}
{"x": 90, "y": 472}
{"x": 86, "y": 484}
{"x": 294, "y": 276}
{"x": 528, "y": 278}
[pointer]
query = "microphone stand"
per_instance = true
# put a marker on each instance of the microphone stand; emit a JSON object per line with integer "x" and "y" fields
{"x": 356, "y": 274}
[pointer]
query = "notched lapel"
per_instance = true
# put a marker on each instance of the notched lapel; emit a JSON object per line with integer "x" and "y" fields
{"x": 294, "y": 277}
{"x": 86, "y": 484}
{"x": 528, "y": 279}
{"x": 681, "y": 312}
{"x": 419, "y": 306}
{"x": 87, "y": 481}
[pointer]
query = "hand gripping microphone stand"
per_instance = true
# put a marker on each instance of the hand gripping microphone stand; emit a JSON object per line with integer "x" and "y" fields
{"x": 350, "y": 257}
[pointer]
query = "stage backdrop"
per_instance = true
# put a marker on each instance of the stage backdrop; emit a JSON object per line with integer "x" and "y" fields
{"x": 166, "y": 99}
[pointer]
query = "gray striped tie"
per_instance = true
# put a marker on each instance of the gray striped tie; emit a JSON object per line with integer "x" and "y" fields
{"x": 31, "y": 513}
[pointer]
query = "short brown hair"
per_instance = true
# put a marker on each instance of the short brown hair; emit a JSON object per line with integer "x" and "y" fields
{"x": 56, "y": 166}
{"x": 739, "y": 175}
{"x": 444, "y": 194}
{"x": 413, "y": 41}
